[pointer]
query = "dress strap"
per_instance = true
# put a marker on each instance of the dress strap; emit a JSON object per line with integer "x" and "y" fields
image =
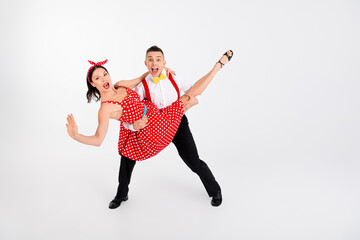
{"x": 113, "y": 102}
{"x": 116, "y": 102}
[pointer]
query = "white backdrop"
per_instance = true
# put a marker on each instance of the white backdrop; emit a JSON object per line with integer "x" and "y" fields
{"x": 278, "y": 126}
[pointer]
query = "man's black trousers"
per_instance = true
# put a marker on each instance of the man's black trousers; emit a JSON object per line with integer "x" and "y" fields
{"x": 185, "y": 144}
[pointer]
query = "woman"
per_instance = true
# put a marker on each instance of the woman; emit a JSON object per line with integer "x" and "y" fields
{"x": 121, "y": 103}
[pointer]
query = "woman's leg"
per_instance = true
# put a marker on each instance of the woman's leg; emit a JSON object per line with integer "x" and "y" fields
{"x": 203, "y": 82}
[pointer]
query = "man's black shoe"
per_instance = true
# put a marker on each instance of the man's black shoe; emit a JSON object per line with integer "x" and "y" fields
{"x": 216, "y": 199}
{"x": 115, "y": 203}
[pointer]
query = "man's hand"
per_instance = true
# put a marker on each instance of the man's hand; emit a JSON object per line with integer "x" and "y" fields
{"x": 141, "y": 123}
{"x": 189, "y": 103}
{"x": 168, "y": 70}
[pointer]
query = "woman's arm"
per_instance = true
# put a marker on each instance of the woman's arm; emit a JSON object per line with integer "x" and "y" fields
{"x": 133, "y": 82}
{"x": 96, "y": 139}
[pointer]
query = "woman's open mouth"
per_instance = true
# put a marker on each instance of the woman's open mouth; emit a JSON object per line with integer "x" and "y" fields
{"x": 106, "y": 85}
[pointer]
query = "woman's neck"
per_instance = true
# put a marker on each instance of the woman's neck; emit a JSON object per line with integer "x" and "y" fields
{"x": 108, "y": 95}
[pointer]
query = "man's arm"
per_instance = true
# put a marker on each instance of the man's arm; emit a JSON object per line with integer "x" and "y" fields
{"x": 133, "y": 82}
{"x": 137, "y": 125}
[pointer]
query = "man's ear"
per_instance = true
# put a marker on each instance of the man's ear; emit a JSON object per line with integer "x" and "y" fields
{"x": 164, "y": 63}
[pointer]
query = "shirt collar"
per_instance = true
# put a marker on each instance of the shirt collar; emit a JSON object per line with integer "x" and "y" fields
{"x": 150, "y": 77}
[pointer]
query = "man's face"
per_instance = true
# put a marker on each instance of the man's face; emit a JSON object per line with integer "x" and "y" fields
{"x": 155, "y": 63}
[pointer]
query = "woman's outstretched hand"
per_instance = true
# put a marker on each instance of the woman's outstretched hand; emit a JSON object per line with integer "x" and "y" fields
{"x": 72, "y": 128}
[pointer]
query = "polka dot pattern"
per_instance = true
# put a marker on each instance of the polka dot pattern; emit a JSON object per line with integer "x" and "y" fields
{"x": 149, "y": 141}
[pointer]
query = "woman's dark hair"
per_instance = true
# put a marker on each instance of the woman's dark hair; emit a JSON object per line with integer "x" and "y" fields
{"x": 92, "y": 92}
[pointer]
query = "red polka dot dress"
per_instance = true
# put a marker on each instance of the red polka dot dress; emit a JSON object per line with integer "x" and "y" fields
{"x": 158, "y": 134}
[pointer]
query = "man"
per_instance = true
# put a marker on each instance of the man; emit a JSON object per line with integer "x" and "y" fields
{"x": 163, "y": 91}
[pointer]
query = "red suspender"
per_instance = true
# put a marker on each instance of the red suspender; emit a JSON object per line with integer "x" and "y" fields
{"x": 147, "y": 91}
{"x": 174, "y": 84}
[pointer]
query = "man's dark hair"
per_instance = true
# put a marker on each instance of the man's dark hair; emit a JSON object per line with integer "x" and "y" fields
{"x": 155, "y": 49}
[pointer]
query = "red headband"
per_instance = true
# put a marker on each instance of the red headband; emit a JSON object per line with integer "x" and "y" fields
{"x": 93, "y": 65}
